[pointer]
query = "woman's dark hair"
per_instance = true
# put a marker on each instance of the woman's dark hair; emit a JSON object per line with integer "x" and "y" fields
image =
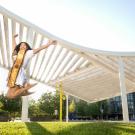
{"x": 17, "y": 48}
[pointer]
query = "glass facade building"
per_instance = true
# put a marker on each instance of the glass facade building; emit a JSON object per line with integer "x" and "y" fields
{"x": 115, "y": 107}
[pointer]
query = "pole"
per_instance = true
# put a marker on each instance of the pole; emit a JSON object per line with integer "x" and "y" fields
{"x": 123, "y": 91}
{"x": 67, "y": 108}
{"x": 60, "y": 86}
{"x": 25, "y": 106}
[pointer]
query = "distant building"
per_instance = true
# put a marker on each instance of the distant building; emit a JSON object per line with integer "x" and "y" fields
{"x": 115, "y": 107}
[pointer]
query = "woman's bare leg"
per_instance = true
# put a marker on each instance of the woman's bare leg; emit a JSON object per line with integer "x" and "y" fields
{"x": 17, "y": 91}
{"x": 10, "y": 94}
{"x": 20, "y": 91}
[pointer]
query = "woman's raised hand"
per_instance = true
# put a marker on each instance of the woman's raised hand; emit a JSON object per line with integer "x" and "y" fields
{"x": 16, "y": 35}
{"x": 52, "y": 42}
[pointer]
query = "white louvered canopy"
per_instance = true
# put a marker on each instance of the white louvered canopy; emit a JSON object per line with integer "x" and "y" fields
{"x": 89, "y": 74}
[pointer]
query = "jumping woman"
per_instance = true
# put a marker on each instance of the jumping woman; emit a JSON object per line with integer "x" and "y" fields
{"x": 17, "y": 80}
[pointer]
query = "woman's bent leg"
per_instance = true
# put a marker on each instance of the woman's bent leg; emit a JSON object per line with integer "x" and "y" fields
{"x": 17, "y": 91}
{"x": 10, "y": 94}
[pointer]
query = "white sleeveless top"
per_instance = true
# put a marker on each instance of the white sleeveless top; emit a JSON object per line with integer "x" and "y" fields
{"x": 22, "y": 78}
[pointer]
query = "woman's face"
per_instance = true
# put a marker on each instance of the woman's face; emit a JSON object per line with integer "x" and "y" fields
{"x": 23, "y": 46}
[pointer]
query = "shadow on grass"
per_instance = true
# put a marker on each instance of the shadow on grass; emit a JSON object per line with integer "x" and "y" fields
{"x": 100, "y": 128}
{"x": 130, "y": 129}
{"x": 96, "y": 128}
{"x": 89, "y": 129}
{"x": 36, "y": 129}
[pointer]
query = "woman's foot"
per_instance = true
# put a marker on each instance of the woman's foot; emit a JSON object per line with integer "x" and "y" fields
{"x": 30, "y": 85}
{"x": 27, "y": 87}
{"x": 26, "y": 93}
{"x": 17, "y": 91}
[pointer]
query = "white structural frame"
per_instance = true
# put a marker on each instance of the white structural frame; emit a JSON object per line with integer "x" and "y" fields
{"x": 123, "y": 91}
{"x": 25, "y": 106}
{"x": 96, "y": 77}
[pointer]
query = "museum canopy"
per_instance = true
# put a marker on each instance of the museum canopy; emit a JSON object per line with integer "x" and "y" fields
{"x": 89, "y": 74}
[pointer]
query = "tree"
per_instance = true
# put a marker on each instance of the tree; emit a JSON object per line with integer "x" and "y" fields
{"x": 46, "y": 103}
{"x": 72, "y": 107}
{"x": 93, "y": 110}
{"x": 12, "y": 106}
{"x": 81, "y": 107}
{"x": 49, "y": 102}
{"x": 34, "y": 109}
{"x": 1, "y": 105}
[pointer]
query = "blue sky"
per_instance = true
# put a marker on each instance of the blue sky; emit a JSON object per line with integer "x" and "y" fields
{"x": 100, "y": 24}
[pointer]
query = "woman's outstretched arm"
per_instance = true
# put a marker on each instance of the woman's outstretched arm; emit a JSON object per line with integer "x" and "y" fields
{"x": 14, "y": 42}
{"x": 51, "y": 42}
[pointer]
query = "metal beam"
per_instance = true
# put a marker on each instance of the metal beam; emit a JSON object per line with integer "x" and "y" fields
{"x": 69, "y": 45}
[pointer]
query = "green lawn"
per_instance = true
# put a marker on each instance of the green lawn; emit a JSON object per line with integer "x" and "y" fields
{"x": 71, "y": 128}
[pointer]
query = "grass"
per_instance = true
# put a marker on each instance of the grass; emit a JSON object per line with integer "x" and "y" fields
{"x": 71, "y": 128}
